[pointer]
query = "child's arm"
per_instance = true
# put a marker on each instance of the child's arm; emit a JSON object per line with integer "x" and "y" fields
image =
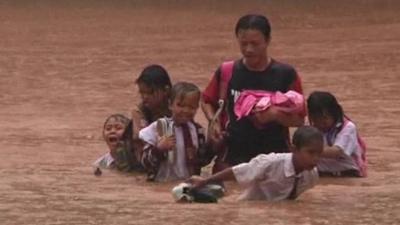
{"x": 224, "y": 175}
{"x": 332, "y": 152}
{"x": 345, "y": 143}
{"x": 154, "y": 152}
{"x": 166, "y": 143}
{"x": 244, "y": 174}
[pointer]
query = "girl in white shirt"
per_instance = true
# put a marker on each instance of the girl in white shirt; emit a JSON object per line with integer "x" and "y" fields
{"x": 344, "y": 151}
{"x": 175, "y": 146}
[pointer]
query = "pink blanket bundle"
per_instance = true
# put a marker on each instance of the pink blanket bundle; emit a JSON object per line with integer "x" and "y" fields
{"x": 255, "y": 101}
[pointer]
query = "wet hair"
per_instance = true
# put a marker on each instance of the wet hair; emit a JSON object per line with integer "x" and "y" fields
{"x": 155, "y": 77}
{"x": 118, "y": 117}
{"x": 256, "y": 22}
{"x": 306, "y": 135}
{"x": 321, "y": 103}
{"x": 181, "y": 89}
{"x": 128, "y": 131}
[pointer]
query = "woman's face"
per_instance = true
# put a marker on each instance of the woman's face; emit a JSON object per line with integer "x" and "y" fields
{"x": 253, "y": 46}
{"x": 151, "y": 98}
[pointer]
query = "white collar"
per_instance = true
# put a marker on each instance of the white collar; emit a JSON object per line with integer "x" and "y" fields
{"x": 288, "y": 166}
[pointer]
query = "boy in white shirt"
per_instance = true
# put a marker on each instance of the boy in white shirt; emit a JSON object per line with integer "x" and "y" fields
{"x": 276, "y": 176}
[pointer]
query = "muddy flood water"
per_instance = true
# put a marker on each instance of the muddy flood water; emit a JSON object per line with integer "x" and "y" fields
{"x": 66, "y": 65}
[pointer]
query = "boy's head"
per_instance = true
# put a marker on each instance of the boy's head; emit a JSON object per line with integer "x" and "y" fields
{"x": 308, "y": 144}
{"x": 253, "y": 33}
{"x": 254, "y": 22}
{"x": 323, "y": 110}
{"x": 184, "y": 102}
{"x": 113, "y": 129}
{"x": 154, "y": 86}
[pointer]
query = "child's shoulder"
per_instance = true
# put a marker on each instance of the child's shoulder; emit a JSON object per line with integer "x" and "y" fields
{"x": 349, "y": 126}
{"x": 104, "y": 162}
{"x": 275, "y": 157}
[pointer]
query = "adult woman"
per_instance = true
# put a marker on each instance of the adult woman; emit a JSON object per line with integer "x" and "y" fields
{"x": 262, "y": 132}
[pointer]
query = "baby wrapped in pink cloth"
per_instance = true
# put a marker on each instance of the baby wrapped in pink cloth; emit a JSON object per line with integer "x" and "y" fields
{"x": 254, "y": 101}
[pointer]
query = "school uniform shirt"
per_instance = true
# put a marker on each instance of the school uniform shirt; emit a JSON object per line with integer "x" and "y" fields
{"x": 178, "y": 169}
{"x": 272, "y": 177}
{"x": 104, "y": 162}
{"x": 346, "y": 140}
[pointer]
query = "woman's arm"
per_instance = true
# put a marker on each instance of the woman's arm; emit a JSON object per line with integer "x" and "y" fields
{"x": 208, "y": 110}
{"x": 216, "y": 133}
{"x": 138, "y": 122}
{"x": 272, "y": 114}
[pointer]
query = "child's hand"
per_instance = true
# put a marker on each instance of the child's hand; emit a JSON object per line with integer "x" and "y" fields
{"x": 196, "y": 181}
{"x": 166, "y": 143}
{"x": 97, "y": 172}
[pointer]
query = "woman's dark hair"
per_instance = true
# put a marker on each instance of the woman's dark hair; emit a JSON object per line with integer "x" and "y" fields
{"x": 320, "y": 103}
{"x": 181, "y": 89}
{"x": 254, "y": 21}
{"x": 305, "y": 135}
{"x": 155, "y": 76}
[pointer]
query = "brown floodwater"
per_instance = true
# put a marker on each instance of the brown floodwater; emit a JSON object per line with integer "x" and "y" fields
{"x": 65, "y": 66}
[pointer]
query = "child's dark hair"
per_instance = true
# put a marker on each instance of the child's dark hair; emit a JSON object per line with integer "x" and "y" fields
{"x": 320, "y": 103}
{"x": 181, "y": 89}
{"x": 305, "y": 135}
{"x": 155, "y": 76}
{"x": 119, "y": 117}
{"x": 254, "y": 21}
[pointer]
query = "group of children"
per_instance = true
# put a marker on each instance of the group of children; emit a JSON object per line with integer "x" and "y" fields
{"x": 250, "y": 104}
{"x": 163, "y": 140}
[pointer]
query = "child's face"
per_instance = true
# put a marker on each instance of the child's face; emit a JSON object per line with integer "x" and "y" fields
{"x": 324, "y": 123}
{"x": 308, "y": 155}
{"x": 151, "y": 98}
{"x": 184, "y": 108}
{"x": 113, "y": 131}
